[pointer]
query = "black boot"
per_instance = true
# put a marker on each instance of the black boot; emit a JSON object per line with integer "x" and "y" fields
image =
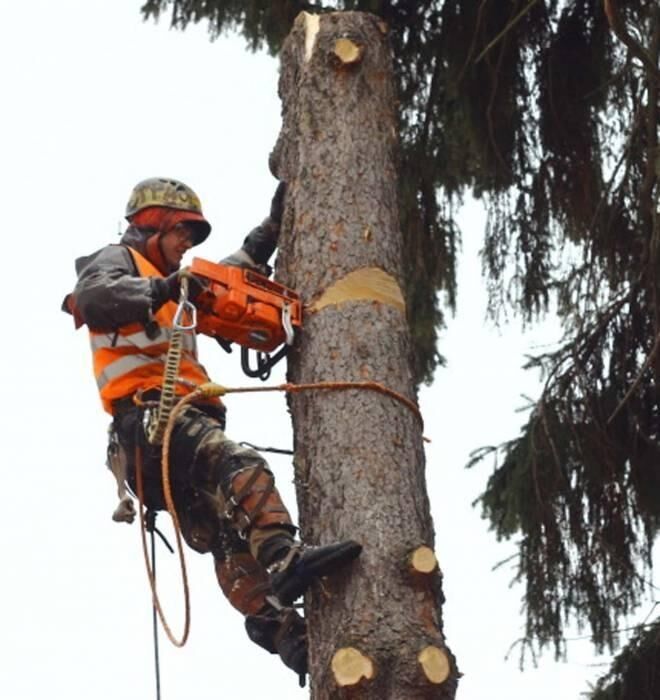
{"x": 281, "y": 632}
{"x": 292, "y": 575}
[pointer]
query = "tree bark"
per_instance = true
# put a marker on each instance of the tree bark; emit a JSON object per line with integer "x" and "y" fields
{"x": 375, "y": 629}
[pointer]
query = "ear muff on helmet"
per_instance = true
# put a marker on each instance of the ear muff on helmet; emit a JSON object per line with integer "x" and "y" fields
{"x": 170, "y": 194}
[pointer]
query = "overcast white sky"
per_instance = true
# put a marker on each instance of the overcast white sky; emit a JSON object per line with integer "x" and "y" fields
{"x": 94, "y": 100}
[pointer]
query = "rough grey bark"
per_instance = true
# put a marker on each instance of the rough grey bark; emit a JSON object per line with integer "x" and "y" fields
{"x": 359, "y": 457}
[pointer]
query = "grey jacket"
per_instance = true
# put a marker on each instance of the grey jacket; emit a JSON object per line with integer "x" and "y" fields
{"x": 110, "y": 292}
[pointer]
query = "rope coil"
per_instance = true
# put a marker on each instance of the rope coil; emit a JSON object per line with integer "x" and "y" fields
{"x": 151, "y": 573}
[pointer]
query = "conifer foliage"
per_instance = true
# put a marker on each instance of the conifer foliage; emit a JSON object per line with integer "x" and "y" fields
{"x": 547, "y": 110}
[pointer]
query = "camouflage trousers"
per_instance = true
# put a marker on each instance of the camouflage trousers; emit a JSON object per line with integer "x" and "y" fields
{"x": 224, "y": 494}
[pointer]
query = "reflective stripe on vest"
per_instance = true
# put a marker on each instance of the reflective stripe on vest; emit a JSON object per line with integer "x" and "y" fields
{"x": 129, "y": 360}
{"x": 130, "y": 363}
{"x": 140, "y": 340}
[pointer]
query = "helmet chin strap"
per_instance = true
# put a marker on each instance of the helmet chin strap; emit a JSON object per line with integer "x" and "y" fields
{"x": 162, "y": 220}
{"x": 155, "y": 254}
{"x": 169, "y": 220}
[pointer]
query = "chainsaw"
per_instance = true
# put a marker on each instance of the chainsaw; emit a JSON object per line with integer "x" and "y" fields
{"x": 242, "y": 306}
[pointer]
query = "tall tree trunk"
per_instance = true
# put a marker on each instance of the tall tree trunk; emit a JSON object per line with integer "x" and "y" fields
{"x": 375, "y": 630}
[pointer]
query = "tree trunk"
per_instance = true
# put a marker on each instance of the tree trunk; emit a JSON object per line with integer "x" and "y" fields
{"x": 375, "y": 630}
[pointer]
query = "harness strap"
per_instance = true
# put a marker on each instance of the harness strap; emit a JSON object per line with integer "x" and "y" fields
{"x": 236, "y": 500}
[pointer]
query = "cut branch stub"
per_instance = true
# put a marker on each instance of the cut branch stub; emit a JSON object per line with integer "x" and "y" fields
{"x": 423, "y": 560}
{"x": 435, "y": 664}
{"x": 347, "y": 51}
{"x": 350, "y": 666}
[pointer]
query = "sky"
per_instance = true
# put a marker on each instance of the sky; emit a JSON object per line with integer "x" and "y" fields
{"x": 94, "y": 100}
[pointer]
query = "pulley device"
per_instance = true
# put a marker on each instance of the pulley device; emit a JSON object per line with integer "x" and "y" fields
{"x": 240, "y": 305}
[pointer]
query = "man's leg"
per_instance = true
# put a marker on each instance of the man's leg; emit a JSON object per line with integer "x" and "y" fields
{"x": 248, "y": 499}
{"x": 244, "y": 582}
{"x": 240, "y": 485}
{"x": 279, "y": 630}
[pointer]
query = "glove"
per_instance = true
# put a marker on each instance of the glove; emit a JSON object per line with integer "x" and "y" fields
{"x": 169, "y": 288}
{"x": 277, "y": 203}
{"x": 196, "y": 285}
{"x": 241, "y": 258}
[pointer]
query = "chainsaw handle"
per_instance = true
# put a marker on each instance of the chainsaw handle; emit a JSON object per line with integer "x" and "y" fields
{"x": 264, "y": 366}
{"x": 223, "y": 343}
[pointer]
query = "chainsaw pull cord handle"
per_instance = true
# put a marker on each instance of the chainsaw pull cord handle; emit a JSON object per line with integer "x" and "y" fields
{"x": 286, "y": 324}
{"x": 265, "y": 361}
{"x": 156, "y": 428}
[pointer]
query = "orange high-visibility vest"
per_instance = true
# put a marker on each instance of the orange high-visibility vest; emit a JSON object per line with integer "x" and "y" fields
{"x": 126, "y": 360}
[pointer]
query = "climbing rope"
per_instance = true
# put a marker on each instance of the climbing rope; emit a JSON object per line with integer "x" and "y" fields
{"x": 151, "y": 573}
{"x": 211, "y": 390}
{"x": 150, "y": 519}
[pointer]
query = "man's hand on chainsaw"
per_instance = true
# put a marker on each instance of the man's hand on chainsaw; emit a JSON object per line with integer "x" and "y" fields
{"x": 196, "y": 285}
{"x": 169, "y": 288}
{"x": 241, "y": 258}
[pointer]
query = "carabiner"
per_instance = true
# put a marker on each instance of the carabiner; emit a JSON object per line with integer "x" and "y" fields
{"x": 185, "y": 306}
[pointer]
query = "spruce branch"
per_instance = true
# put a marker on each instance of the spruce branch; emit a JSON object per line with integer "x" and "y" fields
{"x": 638, "y": 379}
{"x": 618, "y": 26}
{"x": 506, "y": 30}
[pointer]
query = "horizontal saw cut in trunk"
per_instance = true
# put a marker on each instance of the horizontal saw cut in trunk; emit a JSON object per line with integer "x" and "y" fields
{"x": 375, "y": 629}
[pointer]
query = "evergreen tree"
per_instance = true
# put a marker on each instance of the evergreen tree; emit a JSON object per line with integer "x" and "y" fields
{"x": 635, "y": 672}
{"x": 547, "y": 110}
{"x": 359, "y": 456}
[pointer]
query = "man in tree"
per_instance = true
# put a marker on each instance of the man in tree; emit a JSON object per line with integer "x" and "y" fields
{"x": 224, "y": 494}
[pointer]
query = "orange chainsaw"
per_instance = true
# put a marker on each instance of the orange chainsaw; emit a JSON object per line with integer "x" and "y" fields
{"x": 245, "y": 307}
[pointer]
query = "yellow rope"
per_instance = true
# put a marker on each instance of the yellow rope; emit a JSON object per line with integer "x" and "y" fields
{"x": 156, "y": 432}
{"x": 210, "y": 390}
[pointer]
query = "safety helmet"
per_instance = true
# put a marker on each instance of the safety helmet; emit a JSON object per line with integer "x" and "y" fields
{"x": 172, "y": 194}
